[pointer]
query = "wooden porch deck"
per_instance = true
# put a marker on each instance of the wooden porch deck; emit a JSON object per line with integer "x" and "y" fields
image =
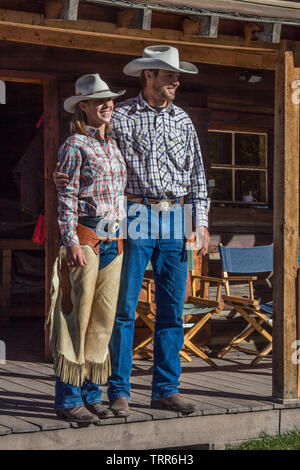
{"x": 235, "y": 400}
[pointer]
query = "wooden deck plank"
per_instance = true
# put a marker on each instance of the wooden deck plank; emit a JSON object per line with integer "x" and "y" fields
{"x": 232, "y": 375}
{"x": 205, "y": 408}
{"x": 17, "y": 425}
{"x": 43, "y": 369}
{"x": 232, "y": 378}
{"x": 217, "y": 404}
{"x": 222, "y": 383}
{"x": 237, "y": 383}
{"x": 16, "y": 374}
{"x": 235, "y": 396}
{"x": 34, "y": 417}
{"x": 23, "y": 368}
{"x": 27, "y": 393}
{"x": 4, "y": 430}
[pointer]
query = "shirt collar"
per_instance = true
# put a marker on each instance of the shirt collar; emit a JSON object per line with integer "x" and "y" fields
{"x": 141, "y": 104}
{"x": 94, "y": 132}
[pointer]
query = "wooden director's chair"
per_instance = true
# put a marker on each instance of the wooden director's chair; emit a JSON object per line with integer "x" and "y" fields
{"x": 197, "y": 311}
{"x": 248, "y": 260}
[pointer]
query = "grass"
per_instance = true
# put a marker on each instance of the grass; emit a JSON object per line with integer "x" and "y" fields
{"x": 286, "y": 441}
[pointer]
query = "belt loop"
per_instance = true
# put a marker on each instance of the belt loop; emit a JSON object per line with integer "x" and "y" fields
{"x": 145, "y": 201}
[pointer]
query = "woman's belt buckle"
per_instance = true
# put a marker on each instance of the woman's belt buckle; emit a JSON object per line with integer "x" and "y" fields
{"x": 164, "y": 205}
{"x": 107, "y": 229}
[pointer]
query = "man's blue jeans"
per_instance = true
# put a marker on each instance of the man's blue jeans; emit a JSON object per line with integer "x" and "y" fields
{"x": 169, "y": 261}
{"x": 71, "y": 396}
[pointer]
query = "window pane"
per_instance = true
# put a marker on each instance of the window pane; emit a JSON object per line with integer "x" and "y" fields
{"x": 220, "y": 147}
{"x": 250, "y": 183}
{"x": 223, "y": 185}
{"x": 250, "y": 149}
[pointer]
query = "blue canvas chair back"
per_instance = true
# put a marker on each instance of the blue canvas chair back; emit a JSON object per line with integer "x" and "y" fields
{"x": 256, "y": 259}
{"x": 190, "y": 260}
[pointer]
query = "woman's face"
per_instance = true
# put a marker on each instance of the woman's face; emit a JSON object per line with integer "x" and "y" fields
{"x": 98, "y": 112}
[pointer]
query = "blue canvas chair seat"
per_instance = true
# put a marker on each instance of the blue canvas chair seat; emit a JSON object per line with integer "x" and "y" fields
{"x": 197, "y": 311}
{"x": 248, "y": 261}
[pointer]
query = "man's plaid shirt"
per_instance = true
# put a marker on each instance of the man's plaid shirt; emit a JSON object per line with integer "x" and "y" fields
{"x": 162, "y": 154}
{"x": 97, "y": 178}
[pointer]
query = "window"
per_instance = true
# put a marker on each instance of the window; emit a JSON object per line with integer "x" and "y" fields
{"x": 238, "y": 166}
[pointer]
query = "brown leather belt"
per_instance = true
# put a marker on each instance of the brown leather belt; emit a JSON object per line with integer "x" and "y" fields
{"x": 167, "y": 203}
{"x": 88, "y": 236}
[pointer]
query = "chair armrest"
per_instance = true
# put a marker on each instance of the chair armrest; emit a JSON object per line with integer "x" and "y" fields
{"x": 207, "y": 278}
{"x": 240, "y": 278}
{"x": 202, "y": 301}
{"x": 230, "y": 299}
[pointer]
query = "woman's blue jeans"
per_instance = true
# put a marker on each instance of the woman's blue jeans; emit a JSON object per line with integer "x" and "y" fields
{"x": 169, "y": 260}
{"x": 71, "y": 396}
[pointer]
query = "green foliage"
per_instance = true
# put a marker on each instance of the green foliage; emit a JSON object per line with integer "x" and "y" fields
{"x": 286, "y": 441}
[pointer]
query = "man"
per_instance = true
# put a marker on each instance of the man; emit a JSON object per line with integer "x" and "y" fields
{"x": 164, "y": 170}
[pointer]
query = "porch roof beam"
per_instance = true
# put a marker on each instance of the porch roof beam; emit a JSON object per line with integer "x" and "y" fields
{"x": 232, "y": 10}
{"x": 133, "y": 45}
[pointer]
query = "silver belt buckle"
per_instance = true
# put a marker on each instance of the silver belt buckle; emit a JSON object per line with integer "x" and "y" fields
{"x": 107, "y": 229}
{"x": 164, "y": 206}
{"x": 113, "y": 227}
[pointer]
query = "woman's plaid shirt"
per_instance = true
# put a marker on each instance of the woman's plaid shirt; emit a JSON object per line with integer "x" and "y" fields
{"x": 162, "y": 154}
{"x": 97, "y": 178}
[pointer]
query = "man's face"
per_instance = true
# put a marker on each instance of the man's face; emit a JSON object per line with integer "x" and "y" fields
{"x": 98, "y": 112}
{"x": 165, "y": 84}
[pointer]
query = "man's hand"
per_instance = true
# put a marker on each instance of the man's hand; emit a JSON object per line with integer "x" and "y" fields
{"x": 60, "y": 179}
{"x": 75, "y": 256}
{"x": 202, "y": 240}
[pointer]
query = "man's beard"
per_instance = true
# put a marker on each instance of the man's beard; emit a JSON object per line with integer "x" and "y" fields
{"x": 163, "y": 93}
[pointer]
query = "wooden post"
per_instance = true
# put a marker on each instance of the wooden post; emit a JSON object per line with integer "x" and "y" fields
{"x": 51, "y": 144}
{"x": 286, "y": 228}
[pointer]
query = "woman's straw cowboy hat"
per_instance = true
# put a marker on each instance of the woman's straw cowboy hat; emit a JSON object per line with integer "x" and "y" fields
{"x": 161, "y": 58}
{"x": 89, "y": 87}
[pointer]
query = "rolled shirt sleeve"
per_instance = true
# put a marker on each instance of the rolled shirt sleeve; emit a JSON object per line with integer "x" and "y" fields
{"x": 70, "y": 163}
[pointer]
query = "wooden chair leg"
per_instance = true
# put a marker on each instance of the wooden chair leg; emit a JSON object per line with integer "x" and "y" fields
{"x": 237, "y": 339}
{"x": 263, "y": 354}
{"x": 142, "y": 345}
{"x": 200, "y": 353}
{"x": 255, "y": 323}
{"x": 192, "y": 331}
{"x": 185, "y": 356}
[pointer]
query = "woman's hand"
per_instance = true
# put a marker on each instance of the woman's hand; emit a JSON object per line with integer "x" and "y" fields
{"x": 75, "y": 256}
{"x": 61, "y": 180}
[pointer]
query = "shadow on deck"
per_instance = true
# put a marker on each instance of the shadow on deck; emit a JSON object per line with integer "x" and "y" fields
{"x": 235, "y": 403}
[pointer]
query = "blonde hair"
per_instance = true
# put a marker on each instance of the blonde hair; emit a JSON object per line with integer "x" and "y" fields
{"x": 79, "y": 122}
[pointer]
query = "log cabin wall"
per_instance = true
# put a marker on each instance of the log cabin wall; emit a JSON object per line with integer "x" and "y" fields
{"x": 215, "y": 99}
{"x": 234, "y": 36}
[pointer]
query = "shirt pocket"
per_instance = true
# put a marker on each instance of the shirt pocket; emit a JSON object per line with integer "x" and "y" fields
{"x": 176, "y": 144}
{"x": 99, "y": 166}
{"x": 140, "y": 141}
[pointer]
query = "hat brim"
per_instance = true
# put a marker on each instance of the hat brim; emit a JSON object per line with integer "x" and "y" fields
{"x": 134, "y": 68}
{"x": 71, "y": 102}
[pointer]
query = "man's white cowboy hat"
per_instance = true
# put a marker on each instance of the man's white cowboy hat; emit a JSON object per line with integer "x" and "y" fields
{"x": 159, "y": 57}
{"x": 89, "y": 87}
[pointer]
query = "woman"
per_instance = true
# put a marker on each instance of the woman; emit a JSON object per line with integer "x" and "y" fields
{"x": 87, "y": 271}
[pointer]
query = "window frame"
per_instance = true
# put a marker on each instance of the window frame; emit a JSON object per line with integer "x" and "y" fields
{"x": 233, "y": 167}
